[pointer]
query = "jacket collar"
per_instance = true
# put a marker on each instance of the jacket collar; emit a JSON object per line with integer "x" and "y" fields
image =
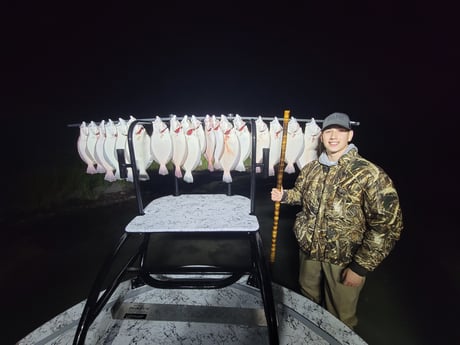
{"x": 350, "y": 152}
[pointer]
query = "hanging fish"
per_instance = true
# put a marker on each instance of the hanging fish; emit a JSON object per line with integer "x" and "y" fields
{"x": 142, "y": 150}
{"x": 109, "y": 153}
{"x": 93, "y": 136}
{"x": 98, "y": 145}
{"x": 244, "y": 137}
{"x": 121, "y": 143}
{"x": 276, "y": 137}
{"x": 126, "y": 148}
{"x": 82, "y": 149}
{"x": 179, "y": 145}
{"x": 199, "y": 131}
{"x": 193, "y": 158}
{"x": 311, "y": 143}
{"x": 294, "y": 144}
{"x": 99, "y": 154}
{"x": 262, "y": 141}
{"x": 231, "y": 152}
{"x": 210, "y": 142}
{"x": 161, "y": 145}
{"x": 219, "y": 149}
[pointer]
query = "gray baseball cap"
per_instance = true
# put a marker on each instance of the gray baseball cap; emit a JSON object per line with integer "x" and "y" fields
{"x": 337, "y": 119}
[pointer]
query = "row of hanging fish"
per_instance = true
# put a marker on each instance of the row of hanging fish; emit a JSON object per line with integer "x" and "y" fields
{"x": 224, "y": 142}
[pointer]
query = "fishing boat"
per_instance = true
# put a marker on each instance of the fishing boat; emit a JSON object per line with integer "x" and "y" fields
{"x": 136, "y": 301}
{"x": 231, "y": 315}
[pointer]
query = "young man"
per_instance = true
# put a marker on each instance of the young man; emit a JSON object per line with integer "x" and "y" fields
{"x": 350, "y": 220}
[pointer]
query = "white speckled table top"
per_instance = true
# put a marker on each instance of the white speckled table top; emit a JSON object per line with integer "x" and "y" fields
{"x": 196, "y": 213}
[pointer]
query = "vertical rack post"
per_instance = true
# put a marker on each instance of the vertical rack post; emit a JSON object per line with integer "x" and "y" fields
{"x": 137, "y": 189}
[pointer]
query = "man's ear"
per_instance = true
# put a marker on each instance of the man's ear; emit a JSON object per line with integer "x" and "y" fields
{"x": 350, "y": 135}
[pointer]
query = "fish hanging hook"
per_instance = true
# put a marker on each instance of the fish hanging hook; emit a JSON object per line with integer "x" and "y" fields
{"x": 279, "y": 185}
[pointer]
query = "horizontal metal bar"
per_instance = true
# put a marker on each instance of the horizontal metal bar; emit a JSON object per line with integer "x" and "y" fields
{"x": 229, "y": 116}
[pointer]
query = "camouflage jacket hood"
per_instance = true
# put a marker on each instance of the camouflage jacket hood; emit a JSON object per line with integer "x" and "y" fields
{"x": 350, "y": 212}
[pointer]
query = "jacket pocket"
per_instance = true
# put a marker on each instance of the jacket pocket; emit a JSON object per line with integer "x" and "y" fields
{"x": 302, "y": 231}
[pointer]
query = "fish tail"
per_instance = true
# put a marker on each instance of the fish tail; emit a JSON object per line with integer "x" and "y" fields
{"x": 143, "y": 176}
{"x": 109, "y": 176}
{"x": 91, "y": 170}
{"x": 227, "y": 178}
{"x": 163, "y": 170}
{"x": 130, "y": 175}
{"x": 240, "y": 167}
{"x": 100, "y": 169}
{"x": 188, "y": 177}
{"x": 290, "y": 168}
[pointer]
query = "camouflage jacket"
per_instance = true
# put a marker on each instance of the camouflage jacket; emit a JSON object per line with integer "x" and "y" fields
{"x": 350, "y": 212}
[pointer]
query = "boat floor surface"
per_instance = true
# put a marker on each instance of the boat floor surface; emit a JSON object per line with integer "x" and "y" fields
{"x": 230, "y": 315}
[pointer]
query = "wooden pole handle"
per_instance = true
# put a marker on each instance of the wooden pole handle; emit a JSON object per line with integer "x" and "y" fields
{"x": 279, "y": 185}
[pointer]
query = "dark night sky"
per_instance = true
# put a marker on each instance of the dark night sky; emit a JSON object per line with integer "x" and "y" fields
{"x": 388, "y": 65}
{"x": 88, "y": 63}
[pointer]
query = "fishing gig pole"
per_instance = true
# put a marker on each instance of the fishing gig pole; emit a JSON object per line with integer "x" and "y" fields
{"x": 279, "y": 185}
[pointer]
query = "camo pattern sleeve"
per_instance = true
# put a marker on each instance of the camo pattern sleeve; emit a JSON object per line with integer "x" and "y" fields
{"x": 383, "y": 217}
{"x": 294, "y": 196}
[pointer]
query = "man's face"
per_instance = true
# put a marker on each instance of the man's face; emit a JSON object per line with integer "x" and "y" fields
{"x": 335, "y": 139}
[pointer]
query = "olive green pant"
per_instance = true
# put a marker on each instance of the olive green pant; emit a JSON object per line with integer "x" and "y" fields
{"x": 321, "y": 282}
